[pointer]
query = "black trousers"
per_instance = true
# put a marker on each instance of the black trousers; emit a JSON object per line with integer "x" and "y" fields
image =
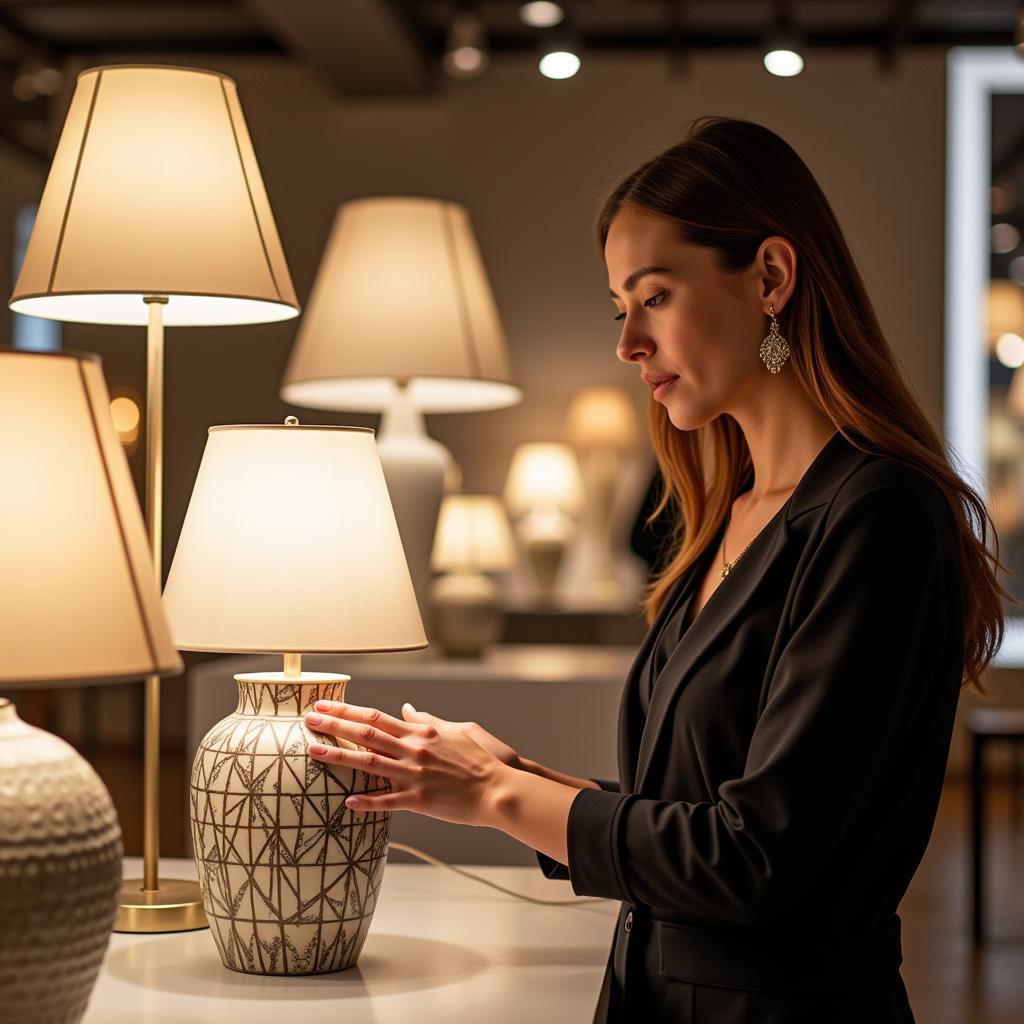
{"x": 652, "y": 997}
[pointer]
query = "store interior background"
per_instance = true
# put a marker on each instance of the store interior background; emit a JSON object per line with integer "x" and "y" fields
{"x": 530, "y": 158}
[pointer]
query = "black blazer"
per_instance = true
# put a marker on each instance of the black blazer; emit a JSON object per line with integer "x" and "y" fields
{"x": 780, "y": 795}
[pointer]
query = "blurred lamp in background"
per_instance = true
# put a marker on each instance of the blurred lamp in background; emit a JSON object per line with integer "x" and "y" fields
{"x": 545, "y": 493}
{"x": 601, "y": 426}
{"x": 473, "y": 538}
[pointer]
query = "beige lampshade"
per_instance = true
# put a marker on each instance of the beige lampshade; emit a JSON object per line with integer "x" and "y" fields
{"x": 601, "y": 417}
{"x": 154, "y": 190}
{"x": 401, "y": 295}
{"x": 290, "y": 545}
{"x": 1004, "y": 309}
{"x": 79, "y": 599}
{"x": 543, "y": 476}
{"x": 473, "y": 534}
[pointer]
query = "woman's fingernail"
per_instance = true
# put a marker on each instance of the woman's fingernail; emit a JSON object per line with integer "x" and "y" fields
{"x": 313, "y": 718}
{"x": 317, "y": 748}
{"x": 352, "y": 801}
{"x": 409, "y": 706}
{"x": 323, "y": 705}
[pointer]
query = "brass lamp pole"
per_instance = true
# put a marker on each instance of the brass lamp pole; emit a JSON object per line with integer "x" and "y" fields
{"x": 120, "y": 239}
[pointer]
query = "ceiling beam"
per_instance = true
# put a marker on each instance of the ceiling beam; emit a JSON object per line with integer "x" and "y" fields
{"x": 358, "y": 48}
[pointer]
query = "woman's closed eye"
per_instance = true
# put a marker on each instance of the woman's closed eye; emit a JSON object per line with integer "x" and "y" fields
{"x": 652, "y": 303}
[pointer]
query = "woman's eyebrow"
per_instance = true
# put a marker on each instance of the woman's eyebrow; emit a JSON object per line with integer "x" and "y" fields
{"x": 630, "y": 283}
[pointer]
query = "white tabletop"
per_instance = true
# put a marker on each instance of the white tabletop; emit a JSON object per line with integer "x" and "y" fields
{"x": 441, "y": 947}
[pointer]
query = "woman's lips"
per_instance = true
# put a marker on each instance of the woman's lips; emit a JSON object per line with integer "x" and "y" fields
{"x": 659, "y": 390}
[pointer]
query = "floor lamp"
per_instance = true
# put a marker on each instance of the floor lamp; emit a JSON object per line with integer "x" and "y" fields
{"x": 401, "y": 320}
{"x": 154, "y": 213}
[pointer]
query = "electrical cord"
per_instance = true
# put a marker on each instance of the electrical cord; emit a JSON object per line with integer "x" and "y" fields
{"x": 430, "y": 859}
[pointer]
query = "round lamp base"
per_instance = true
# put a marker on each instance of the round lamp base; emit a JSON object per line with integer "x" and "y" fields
{"x": 177, "y": 906}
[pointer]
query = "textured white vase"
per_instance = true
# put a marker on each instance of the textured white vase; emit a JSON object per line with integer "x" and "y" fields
{"x": 289, "y": 875}
{"x": 60, "y": 874}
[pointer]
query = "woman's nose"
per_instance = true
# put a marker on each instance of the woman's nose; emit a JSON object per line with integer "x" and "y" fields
{"x": 633, "y": 346}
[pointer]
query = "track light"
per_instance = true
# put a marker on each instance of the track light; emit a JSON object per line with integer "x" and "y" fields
{"x": 540, "y": 13}
{"x": 465, "y": 52}
{"x": 782, "y": 47}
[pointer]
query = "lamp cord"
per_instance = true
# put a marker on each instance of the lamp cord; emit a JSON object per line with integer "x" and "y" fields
{"x": 494, "y": 885}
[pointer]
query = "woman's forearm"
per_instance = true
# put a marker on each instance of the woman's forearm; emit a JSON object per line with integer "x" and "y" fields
{"x": 530, "y": 808}
{"x": 549, "y": 773}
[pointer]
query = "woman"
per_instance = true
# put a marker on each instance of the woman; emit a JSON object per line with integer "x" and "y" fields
{"x": 784, "y": 731}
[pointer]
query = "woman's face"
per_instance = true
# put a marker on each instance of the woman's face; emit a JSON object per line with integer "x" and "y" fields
{"x": 682, "y": 317}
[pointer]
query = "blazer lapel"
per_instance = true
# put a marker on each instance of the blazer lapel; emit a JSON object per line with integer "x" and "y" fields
{"x": 830, "y": 467}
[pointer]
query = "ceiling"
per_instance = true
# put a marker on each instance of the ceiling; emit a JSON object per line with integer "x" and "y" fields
{"x": 380, "y": 47}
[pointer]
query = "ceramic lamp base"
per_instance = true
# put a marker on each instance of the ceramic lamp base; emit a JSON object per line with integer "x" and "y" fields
{"x": 465, "y": 613}
{"x": 289, "y": 875}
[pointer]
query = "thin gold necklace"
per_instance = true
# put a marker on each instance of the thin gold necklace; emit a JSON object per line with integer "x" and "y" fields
{"x": 729, "y": 565}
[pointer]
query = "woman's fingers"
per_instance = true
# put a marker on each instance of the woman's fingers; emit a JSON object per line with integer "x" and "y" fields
{"x": 365, "y": 760}
{"x": 363, "y": 734}
{"x": 369, "y": 716}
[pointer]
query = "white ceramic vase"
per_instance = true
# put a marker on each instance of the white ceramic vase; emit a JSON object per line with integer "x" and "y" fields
{"x": 60, "y": 875}
{"x": 289, "y": 875}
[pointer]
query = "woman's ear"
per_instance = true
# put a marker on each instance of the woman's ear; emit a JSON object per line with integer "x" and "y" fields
{"x": 776, "y": 260}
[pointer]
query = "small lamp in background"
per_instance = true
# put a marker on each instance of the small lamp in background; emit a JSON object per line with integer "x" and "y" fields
{"x": 601, "y": 426}
{"x": 545, "y": 492}
{"x": 473, "y": 538}
{"x": 289, "y": 546}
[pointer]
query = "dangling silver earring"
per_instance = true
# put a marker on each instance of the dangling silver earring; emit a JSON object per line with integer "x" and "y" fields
{"x": 774, "y": 350}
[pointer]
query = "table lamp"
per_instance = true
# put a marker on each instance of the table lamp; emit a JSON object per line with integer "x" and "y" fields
{"x": 601, "y": 426}
{"x": 154, "y": 213}
{"x": 289, "y": 545}
{"x": 79, "y": 604}
{"x": 473, "y": 538}
{"x": 401, "y": 320}
{"x": 545, "y": 492}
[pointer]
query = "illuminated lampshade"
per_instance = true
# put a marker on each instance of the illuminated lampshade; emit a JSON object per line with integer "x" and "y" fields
{"x": 290, "y": 545}
{"x": 543, "y": 475}
{"x": 79, "y": 599}
{"x": 1004, "y": 310}
{"x": 473, "y": 534}
{"x": 601, "y": 417}
{"x": 401, "y": 295}
{"x": 155, "y": 190}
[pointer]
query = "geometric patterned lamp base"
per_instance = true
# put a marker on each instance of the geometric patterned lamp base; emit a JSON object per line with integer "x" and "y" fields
{"x": 289, "y": 875}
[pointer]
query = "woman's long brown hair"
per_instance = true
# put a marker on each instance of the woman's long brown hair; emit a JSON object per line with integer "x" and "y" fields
{"x": 729, "y": 185}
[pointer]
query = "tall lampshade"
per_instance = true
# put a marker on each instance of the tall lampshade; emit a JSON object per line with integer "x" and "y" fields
{"x": 79, "y": 603}
{"x": 154, "y": 190}
{"x": 290, "y": 545}
{"x": 473, "y": 533}
{"x": 401, "y": 296}
{"x": 79, "y": 599}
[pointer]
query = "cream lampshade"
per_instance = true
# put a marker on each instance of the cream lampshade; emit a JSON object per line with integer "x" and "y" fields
{"x": 154, "y": 212}
{"x": 79, "y": 603}
{"x": 473, "y": 538}
{"x": 602, "y": 426}
{"x": 79, "y": 600}
{"x": 154, "y": 189}
{"x": 289, "y": 545}
{"x": 401, "y": 320}
{"x": 545, "y": 491}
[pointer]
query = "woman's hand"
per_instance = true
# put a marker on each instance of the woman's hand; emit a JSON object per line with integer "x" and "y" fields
{"x": 435, "y": 769}
{"x": 501, "y": 750}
